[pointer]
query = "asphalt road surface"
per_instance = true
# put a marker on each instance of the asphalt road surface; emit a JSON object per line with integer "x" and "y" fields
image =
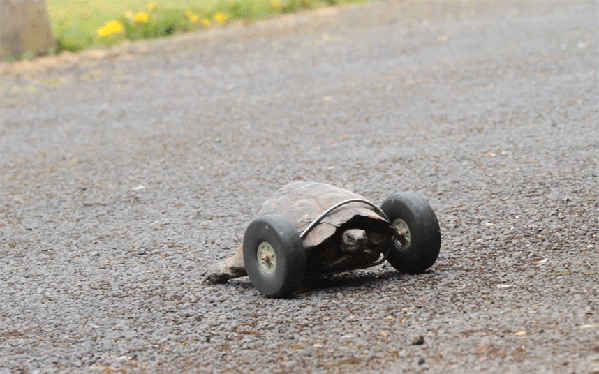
{"x": 124, "y": 172}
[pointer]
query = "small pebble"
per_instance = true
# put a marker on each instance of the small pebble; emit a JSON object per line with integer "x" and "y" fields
{"x": 418, "y": 340}
{"x": 141, "y": 251}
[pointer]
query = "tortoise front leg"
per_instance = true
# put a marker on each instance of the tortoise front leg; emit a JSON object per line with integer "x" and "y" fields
{"x": 222, "y": 271}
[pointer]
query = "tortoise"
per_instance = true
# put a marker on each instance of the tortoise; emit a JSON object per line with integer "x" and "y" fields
{"x": 310, "y": 229}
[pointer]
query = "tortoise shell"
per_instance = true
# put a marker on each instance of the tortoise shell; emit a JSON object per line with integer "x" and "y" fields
{"x": 301, "y": 202}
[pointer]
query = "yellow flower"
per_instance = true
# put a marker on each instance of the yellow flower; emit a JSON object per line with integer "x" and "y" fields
{"x": 129, "y": 15}
{"x": 193, "y": 18}
{"x": 151, "y": 6}
{"x": 275, "y": 3}
{"x": 206, "y": 22}
{"x": 111, "y": 27}
{"x": 114, "y": 26}
{"x": 220, "y": 17}
{"x": 141, "y": 17}
{"x": 102, "y": 31}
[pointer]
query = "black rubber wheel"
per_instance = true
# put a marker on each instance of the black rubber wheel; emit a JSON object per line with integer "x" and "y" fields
{"x": 274, "y": 256}
{"x": 418, "y": 241}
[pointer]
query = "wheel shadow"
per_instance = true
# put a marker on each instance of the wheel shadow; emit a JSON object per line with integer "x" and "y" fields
{"x": 351, "y": 281}
{"x": 348, "y": 281}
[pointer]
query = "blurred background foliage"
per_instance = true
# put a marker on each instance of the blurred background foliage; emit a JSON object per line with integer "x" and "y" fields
{"x": 81, "y": 24}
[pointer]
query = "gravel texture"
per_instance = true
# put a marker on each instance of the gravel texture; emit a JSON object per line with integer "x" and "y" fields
{"x": 124, "y": 172}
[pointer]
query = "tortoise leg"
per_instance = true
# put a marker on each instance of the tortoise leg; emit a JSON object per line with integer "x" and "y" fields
{"x": 222, "y": 271}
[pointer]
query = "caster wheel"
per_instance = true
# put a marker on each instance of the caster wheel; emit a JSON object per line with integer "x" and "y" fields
{"x": 417, "y": 241}
{"x": 274, "y": 256}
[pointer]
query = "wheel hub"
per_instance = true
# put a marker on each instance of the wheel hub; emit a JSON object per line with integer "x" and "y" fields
{"x": 403, "y": 237}
{"x": 266, "y": 258}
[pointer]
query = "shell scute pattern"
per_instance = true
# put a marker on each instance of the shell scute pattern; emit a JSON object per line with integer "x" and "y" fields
{"x": 301, "y": 202}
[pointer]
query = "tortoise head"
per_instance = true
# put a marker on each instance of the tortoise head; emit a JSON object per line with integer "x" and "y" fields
{"x": 354, "y": 240}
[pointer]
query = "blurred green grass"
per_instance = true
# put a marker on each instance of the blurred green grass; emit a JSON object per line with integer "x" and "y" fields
{"x": 81, "y": 24}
